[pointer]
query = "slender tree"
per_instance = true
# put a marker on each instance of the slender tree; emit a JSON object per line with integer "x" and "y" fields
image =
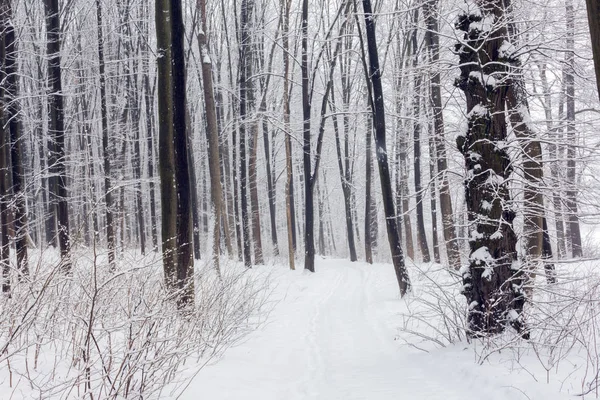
{"x": 57, "y": 155}
{"x": 4, "y": 160}
{"x": 13, "y": 115}
{"x": 378, "y": 110}
{"x": 216, "y": 190}
{"x": 433, "y": 46}
{"x": 245, "y": 69}
{"x": 106, "y": 153}
{"x": 574, "y": 236}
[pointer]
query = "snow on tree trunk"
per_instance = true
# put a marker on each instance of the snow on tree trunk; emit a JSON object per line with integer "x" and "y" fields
{"x": 492, "y": 278}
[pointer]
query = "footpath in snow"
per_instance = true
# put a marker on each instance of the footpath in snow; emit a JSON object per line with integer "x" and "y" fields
{"x": 331, "y": 335}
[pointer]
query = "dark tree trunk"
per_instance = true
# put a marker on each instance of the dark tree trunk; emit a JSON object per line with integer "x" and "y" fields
{"x": 593, "y": 11}
{"x": 185, "y": 261}
{"x": 272, "y": 192}
{"x": 571, "y": 193}
{"x": 56, "y": 159}
{"x": 174, "y": 168}
{"x": 106, "y": 153}
{"x": 4, "y": 162}
{"x": 12, "y": 108}
{"x": 245, "y": 68}
{"x": 381, "y": 151}
{"x": 368, "y": 195}
{"x": 195, "y": 202}
{"x": 493, "y": 280}
{"x": 309, "y": 242}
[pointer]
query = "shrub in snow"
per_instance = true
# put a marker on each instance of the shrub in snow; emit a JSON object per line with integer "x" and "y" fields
{"x": 104, "y": 335}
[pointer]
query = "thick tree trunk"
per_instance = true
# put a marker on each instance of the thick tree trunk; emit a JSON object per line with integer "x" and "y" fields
{"x": 174, "y": 172}
{"x": 185, "y": 261}
{"x": 381, "y": 151}
{"x": 58, "y": 188}
{"x": 493, "y": 280}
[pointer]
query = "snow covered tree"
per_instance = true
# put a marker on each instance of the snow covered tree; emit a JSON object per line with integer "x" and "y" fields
{"x": 493, "y": 278}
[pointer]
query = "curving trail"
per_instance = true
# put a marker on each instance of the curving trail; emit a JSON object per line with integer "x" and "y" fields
{"x": 331, "y": 336}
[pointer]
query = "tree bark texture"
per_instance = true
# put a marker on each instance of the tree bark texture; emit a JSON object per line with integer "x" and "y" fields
{"x": 58, "y": 186}
{"x": 106, "y": 152}
{"x": 493, "y": 279}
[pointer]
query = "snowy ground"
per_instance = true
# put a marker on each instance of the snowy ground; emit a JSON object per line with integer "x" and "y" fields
{"x": 334, "y": 335}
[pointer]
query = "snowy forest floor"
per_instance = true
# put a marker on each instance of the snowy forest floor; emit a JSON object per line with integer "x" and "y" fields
{"x": 340, "y": 333}
{"x": 336, "y": 334}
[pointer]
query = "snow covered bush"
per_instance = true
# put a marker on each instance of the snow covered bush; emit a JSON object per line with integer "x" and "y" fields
{"x": 436, "y": 312}
{"x": 103, "y": 335}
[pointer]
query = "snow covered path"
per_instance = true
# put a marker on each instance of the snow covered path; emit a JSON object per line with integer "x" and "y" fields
{"x": 331, "y": 336}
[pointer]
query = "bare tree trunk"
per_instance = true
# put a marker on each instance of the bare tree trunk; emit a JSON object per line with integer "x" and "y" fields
{"x": 552, "y": 152}
{"x": 185, "y": 261}
{"x": 433, "y": 44}
{"x": 12, "y": 107}
{"x": 194, "y": 194}
{"x": 245, "y": 76}
{"x": 571, "y": 193}
{"x": 433, "y": 196}
{"x": 174, "y": 172}
{"x": 309, "y": 242}
{"x": 593, "y": 11}
{"x": 345, "y": 177}
{"x": 368, "y": 196}
{"x": 421, "y": 234}
{"x": 149, "y": 104}
{"x": 106, "y": 156}
{"x": 289, "y": 199}
{"x": 57, "y": 131}
{"x": 381, "y": 151}
{"x": 255, "y": 210}
{"x": 213, "y": 135}
{"x": 4, "y": 162}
